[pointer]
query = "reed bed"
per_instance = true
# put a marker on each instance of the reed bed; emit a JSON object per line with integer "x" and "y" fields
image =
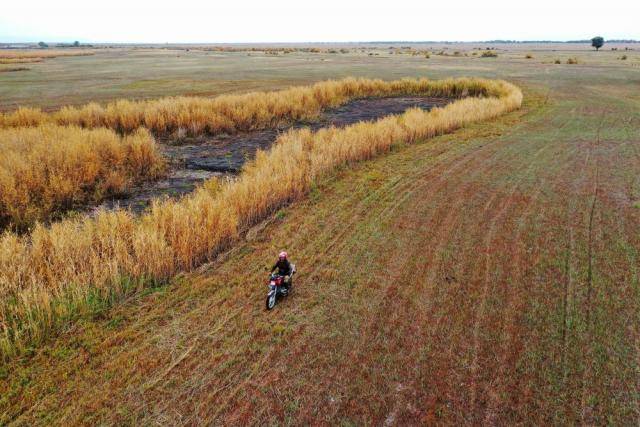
{"x": 41, "y": 54}
{"x": 20, "y": 60}
{"x": 66, "y": 270}
{"x": 49, "y": 169}
{"x": 232, "y": 113}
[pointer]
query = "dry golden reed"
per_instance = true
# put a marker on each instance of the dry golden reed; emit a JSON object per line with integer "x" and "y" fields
{"x": 41, "y": 53}
{"x": 62, "y": 271}
{"x": 49, "y": 169}
{"x": 229, "y": 113}
{"x": 19, "y": 60}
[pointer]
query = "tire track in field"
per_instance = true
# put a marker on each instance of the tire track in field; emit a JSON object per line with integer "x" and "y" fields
{"x": 589, "y": 280}
{"x": 611, "y": 281}
{"x": 337, "y": 243}
{"x": 453, "y": 216}
{"x": 391, "y": 198}
{"x": 513, "y": 307}
{"x": 635, "y": 333}
{"x": 431, "y": 183}
{"x": 510, "y": 247}
{"x": 559, "y": 181}
{"x": 515, "y": 299}
{"x": 408, "y": 182}
{"x": 428, "y": 185}
{"x": 505, "y": 204}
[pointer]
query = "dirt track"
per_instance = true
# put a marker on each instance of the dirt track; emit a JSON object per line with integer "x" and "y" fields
{"x": 490, "y": 276}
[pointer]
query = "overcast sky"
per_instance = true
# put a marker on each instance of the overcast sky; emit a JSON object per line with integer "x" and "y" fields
{"x": 190, "y": 21}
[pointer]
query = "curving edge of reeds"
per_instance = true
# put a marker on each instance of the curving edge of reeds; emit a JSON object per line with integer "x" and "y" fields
{"x": 80, "y": 266}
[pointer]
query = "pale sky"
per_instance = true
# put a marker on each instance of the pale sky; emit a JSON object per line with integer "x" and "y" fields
{"x": 192, "y": 21}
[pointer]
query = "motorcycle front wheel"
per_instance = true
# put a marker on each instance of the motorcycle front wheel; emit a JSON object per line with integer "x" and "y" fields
{"x": 271, "y": 301}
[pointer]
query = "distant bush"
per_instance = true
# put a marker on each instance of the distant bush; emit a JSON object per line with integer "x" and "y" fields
{"x": 529, "y": 56}
{"x": 572, "y": 61}
{"x": 489, "y": 54}
{"x": 427, "y": 56}
{"x": 623, "y": 58}
{"x": 597, "y": 42}
{"x": 557, "y": 61}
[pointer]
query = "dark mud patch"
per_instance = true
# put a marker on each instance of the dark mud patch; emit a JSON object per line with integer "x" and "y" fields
{"x": 195, "y": 160}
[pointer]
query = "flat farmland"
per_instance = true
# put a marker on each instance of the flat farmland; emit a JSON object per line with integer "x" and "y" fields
{"x": 487, "y": 276}
{"x": 141, "y": 73}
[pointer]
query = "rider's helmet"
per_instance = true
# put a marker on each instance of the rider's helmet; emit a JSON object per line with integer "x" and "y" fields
{"x": 283, "y": 255}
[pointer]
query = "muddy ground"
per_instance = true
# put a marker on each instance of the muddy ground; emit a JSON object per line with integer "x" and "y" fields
{"x": 195, "y": 160}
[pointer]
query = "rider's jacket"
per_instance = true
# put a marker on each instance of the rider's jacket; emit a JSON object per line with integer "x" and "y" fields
{"x": 283, "y": 266}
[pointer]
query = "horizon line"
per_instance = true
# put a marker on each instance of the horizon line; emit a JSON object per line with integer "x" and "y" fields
{"x": 505, "y": 41}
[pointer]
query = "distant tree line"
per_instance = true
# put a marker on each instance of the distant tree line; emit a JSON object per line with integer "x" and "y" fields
{"x": 504, "y": 41}
{"x": 43, "y": 45}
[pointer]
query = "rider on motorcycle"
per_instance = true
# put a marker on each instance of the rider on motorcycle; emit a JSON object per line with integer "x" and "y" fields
{"x": 284, "y": 268}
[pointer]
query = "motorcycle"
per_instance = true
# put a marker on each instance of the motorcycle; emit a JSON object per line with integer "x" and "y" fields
{"x": 277, "y": 288}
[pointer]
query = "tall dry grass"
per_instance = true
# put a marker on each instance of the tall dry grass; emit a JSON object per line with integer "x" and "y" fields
{"x": 41, "y": 53}
{"x": 62, "y": 271}
{"x": 49, "y": 169}
{"x": 19, "y": 60}
{"x": 231, "y": 113}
